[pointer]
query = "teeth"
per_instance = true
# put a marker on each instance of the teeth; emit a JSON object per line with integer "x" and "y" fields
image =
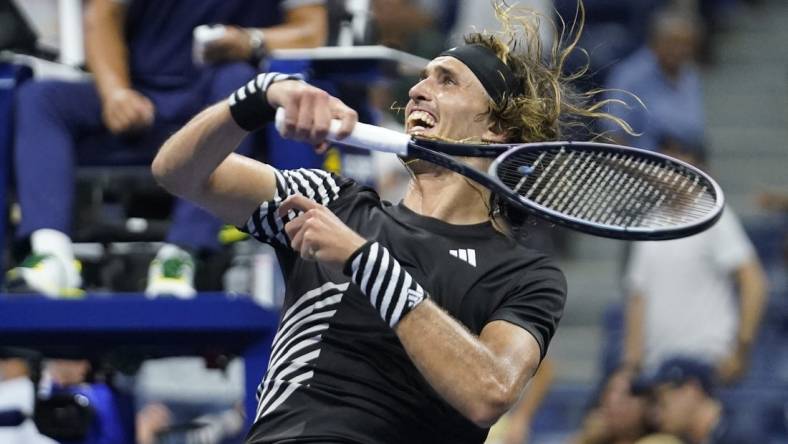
{"x": 421, "y": 117}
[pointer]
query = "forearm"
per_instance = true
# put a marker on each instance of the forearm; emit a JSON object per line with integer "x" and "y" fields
{"x": 752, "y": 289}
{"x": 105, "y": 47}
{"x": 186, "y": 161}
{"x": 197, "y": 164}
{"x": 482, "y": 377}
{"x": 463, "y": 370}
{"x": 633, "y": 335}
{"x": 291, "y": 36}
{"x": 189, "y": 160}
{"x": 304, "y": 27}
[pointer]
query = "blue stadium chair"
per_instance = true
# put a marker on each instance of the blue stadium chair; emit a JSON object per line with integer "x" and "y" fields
{"x": 769, "y": 359}
{"x": 760, "y": 408}
{"x": 777, "y": 421}
{"x": 612, "y": 337}
{"x": 766, "y": 236}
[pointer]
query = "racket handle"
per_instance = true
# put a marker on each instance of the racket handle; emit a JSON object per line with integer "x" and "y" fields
{"x": 364, "y": 136}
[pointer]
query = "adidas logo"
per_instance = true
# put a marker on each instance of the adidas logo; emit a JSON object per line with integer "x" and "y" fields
{"x": 465, "y": 254}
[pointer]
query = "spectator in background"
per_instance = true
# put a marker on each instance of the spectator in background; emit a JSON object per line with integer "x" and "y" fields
{"x": 612, "y": 31}
{"x": 17, "y": 394}
{"x": 685, "y": 406}
{"x": 659, "y": 438}
{"x": 72, "y": 377}
{"x": 663, "y": 76}
{"x": 408, "y": 26}
{"x": 700, "y": 296}
{"x": 774, "y": 200}
{"x": 146, "y": 86}
{"x": 405, "y": 25}
{"x": 619, "y": 416}
{"x": 156, "y": 424}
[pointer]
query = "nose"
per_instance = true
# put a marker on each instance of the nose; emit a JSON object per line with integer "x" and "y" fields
{"x": 420, "y": 91}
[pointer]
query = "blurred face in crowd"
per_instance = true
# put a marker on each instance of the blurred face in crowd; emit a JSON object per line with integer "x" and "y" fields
{"x": 13, "y": 368}
{"x": 448, "y": 102}
{"x": 68, "y": 372}
{"x": 624, "y": 412}
{"x": 675, "y": 405}
{"x": 674, "y": 42}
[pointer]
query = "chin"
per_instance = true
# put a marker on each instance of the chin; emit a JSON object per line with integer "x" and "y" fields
{"x": 418, "y": 166}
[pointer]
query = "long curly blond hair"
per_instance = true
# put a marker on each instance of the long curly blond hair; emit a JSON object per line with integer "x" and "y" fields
{"x": 548, "y": 106}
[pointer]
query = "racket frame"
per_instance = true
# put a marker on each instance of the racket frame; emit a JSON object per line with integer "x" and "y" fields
{"x": 598, "y": 229}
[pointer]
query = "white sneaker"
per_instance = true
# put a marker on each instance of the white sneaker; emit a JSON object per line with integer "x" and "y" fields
{"x": 46, "y": 274}
{"x": 171, "y": 273}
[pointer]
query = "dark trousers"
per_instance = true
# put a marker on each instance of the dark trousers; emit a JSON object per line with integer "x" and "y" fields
{"x": 58, "y": 127}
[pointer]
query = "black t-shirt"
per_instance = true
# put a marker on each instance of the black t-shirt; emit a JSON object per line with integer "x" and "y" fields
{"x": 337, "y": 372}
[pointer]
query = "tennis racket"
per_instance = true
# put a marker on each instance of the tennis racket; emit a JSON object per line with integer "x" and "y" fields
{"x": 602, "y": 189}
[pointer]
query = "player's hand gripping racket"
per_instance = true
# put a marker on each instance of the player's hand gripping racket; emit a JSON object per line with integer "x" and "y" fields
{"x": 601, "y": 189}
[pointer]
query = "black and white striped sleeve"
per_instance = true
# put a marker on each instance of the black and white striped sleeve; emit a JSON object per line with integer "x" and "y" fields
{"x": 318, "y": 185}
{"x": 389, "y": 287}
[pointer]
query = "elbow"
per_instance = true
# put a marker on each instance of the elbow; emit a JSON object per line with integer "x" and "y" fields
{"x": 167, "y": 176}
{"x": 161, "y": 173}
{"x": 488, "y": 409}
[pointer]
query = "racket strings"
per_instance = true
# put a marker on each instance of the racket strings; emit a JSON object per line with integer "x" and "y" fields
{"x": 589, "y": 189}
{"x": 609, "y": 188}
{"x": 581, "y": 168}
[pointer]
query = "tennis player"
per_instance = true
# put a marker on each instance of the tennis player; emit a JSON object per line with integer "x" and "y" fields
{"x": 420, "y": 322}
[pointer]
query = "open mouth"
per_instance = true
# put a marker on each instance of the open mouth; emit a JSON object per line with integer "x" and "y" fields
{"x": 420, "y": 121}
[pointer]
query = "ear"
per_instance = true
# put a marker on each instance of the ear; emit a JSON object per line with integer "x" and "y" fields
{"x": 491, "y": 136}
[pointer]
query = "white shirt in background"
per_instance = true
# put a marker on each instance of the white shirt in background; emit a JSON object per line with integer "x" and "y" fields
{"x": 19, "y": 394}
{"x": 691, "y": 305}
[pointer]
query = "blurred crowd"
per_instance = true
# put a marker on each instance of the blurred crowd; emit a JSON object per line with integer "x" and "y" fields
{"x": 693, "y": 310}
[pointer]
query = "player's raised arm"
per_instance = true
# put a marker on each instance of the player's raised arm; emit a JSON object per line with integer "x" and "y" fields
{"x": 198, "y": 164}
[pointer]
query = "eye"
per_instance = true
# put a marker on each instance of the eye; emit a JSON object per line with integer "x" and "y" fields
{"x": 448, "y": 80}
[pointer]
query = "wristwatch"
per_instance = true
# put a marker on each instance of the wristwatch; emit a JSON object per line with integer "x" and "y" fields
{"x": 256, "y": 44}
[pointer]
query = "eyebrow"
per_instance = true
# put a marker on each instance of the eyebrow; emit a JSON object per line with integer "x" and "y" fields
{"x": 442, "y": 70}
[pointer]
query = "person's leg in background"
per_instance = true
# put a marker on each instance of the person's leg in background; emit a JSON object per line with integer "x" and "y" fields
{"x": 49, "y": 117}
{"x": 194, "y": 230}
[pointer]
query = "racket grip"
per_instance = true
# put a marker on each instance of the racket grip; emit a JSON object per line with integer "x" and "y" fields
{"x": 364, "y": 136}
